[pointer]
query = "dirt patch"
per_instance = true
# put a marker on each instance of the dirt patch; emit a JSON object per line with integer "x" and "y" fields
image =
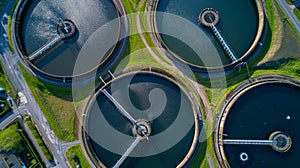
{"x": 276, "y": 37}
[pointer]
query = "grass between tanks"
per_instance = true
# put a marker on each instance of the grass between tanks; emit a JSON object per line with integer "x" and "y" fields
{"x": 56, "y": 104}
{"x": 75, "y": 157}
{"x": 38, "y": 138}
{"x": 135, "y": 53}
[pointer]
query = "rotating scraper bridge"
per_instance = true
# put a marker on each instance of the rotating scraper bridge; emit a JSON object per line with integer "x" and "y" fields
{"x": 65, "y": 29}
{"x": 209, "y": 18}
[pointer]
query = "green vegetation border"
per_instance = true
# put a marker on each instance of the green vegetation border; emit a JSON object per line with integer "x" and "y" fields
{"x": 75, "y": 154}
{"x": 38, "y": 88}
{"x": 38, "y": 138}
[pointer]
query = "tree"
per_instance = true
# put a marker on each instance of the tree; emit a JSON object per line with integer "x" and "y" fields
{"x": 11, "y": 140}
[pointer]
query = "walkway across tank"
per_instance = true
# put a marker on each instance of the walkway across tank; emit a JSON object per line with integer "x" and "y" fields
{"x": 238, "y": 23}
{"x": 141, "y": 119}
{"x": 259, "y": 124}
{"x": 51, "y": 34}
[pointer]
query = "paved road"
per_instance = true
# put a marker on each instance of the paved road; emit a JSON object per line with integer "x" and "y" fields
{"x": 10, "y": 62}
{"x": 290, "y": 14}
{"x": 35, "y": 144}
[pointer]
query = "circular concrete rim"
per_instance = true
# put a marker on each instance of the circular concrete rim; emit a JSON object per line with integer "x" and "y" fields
{"x": 19, "y": 49}
{"x": 286, "y": 136}
{"x": 231, "y": 99}
{"x": 152, "y": 71}
{"x": 208, "y": 11}
{"x": 160, "y": 43}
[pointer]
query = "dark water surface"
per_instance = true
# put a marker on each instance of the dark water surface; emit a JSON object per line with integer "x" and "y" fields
{"x": 255, "y": 115}
{"x": 238, "y": 25}
{"x": 38, "y": 27}
{"x": 138, "y": 102}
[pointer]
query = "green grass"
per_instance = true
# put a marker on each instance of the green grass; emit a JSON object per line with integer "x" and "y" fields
{"x": 200, "y": 157}
{"x": 10, "y": 44}
{"x": 297, "y": 13}
{"x": 76, "y": 157}
{"x": 38, "y": 139}
{"x": 9, "y": 22}
{"x": 270, "y": 13}
{"x": 56, "y": 104}
{"x": 36, "y": 162}
{"x": 289, "y": 2}
{"x": 135, "y": 53}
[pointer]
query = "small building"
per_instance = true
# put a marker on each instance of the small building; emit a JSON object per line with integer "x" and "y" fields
{"x": 9, "y": 161}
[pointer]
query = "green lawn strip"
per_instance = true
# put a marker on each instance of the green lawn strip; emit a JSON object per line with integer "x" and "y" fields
{"x": 200, "y": 156}
{"x": 56, "y": 104}
{"x": 75, "y": 157}
{"x": 9, "y": 22}
{"x": 38, "y": 138}
{"x": 297, "y": 13}
{"x": 270, "y": 13}
{"x": 205, "y": 164}
{"x": 289, "y": 2}
{"x": 32, "y": 151}
{"x": 135, "y": 53}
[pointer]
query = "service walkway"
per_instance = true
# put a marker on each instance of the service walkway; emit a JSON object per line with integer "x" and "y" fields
{"x": 46, "y": 47}
{"x": 223, "y": 43}
{"x": 127, "y": 152}
{"x": 247, "y": 142}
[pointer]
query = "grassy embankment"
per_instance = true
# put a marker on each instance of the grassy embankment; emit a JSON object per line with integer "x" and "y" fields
{"x": 56, "y": 103}
{"x": 75, "y": 157}
{"x": 38, "y": 138}
{"x": 135, "y": 53}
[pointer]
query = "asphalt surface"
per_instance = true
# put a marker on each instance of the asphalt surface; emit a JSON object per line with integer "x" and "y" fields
{"x": 290, "y": 14}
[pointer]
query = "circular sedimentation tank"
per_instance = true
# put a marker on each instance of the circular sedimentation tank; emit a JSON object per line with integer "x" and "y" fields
{"x": 240, "y": 23}
{"x": 264, "y": 109}
{"x": 163, "y": 113}
{"x": 68, "y": 25}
